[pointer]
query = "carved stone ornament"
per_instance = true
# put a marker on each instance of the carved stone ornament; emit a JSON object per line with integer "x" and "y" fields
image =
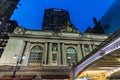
{"x": 19, "y": 30}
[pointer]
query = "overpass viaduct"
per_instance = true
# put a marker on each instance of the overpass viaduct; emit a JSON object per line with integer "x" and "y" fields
{"x": 105, "y": 58}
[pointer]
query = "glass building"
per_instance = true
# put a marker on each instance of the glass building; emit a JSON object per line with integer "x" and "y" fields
{"x": 55, "y": 19}
{"x": 110, "y": 21}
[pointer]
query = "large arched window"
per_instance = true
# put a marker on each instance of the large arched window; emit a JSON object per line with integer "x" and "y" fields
{"x": 71, "y": 56}
{"x": 35, "y": 58}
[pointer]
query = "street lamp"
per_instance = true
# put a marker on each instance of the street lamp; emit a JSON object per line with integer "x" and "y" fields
{"x": 19, "y": 58}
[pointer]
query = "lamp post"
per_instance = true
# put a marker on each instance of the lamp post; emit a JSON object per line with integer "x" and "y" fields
{"x": 14, "y": 73}
{"x": 18, "y": 61}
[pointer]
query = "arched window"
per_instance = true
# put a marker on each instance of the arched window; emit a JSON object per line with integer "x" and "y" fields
{"x": 71, "y": 56}
{"x": 35, "y": 58}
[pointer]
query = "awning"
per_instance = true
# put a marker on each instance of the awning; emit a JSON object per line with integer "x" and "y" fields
{"x": 8, "y": 77}
{"x": 55, "y": 77}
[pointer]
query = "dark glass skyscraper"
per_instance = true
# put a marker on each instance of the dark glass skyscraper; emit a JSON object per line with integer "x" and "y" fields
{"x": 7, "y": 8}
{"x": 110, "y": 21}
{"x": 55, "y": 19}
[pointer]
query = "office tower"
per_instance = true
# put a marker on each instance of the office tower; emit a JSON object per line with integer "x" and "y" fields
{"x": 57, "y": 20}
{"x": 110, "y": 21}
{"x": 7, "y": 8}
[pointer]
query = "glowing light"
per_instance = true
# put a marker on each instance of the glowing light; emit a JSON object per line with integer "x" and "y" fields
{"x": 68, "y": 57}
{"x": 110, "y": 72}
{"x": 118, "y": 59}
{"x": 17, "y": 57}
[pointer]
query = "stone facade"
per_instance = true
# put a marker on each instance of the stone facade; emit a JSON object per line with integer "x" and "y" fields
{"x": 46, "y": 53}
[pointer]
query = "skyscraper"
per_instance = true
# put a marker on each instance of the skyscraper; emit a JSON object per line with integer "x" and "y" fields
{"x": 110, "y": 21}
{"x": 7, "y": 8}
{"x": 57, "y": 20}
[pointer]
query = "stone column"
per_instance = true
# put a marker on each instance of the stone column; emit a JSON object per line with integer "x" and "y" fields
{"x": 45, "y": 53}
{"x": 63, "y": 55}
{"x": 94, "y": 46}
{"x": 50, "y": 54}
{"x": 83, "y": 50}
{"x": 79, "y": 54}
{"x": 59, "y": 54}
{"x": 27, "y": 53}
{"x": 90, "y": 46}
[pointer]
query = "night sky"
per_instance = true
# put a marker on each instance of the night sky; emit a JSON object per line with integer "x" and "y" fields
{"x": 30, "y": 12}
